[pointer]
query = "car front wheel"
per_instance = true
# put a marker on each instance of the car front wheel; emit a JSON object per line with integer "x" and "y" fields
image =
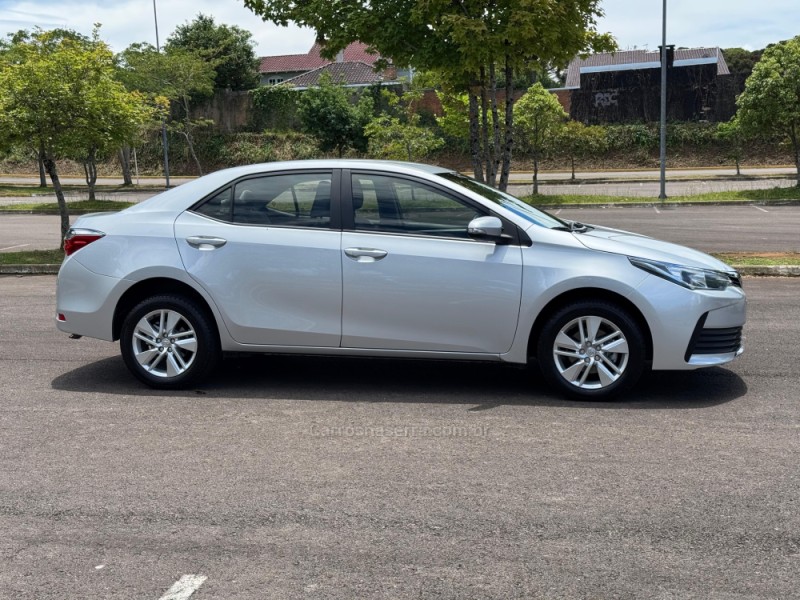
{"x": 591, "y": 350}
{"x": 169, "y": 342}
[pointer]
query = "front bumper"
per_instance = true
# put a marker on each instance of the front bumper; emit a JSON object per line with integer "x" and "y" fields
{"x": 692, "y": 328}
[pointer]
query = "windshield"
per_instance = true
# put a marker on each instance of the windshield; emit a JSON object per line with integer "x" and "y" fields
{"x": 507, "y": 201}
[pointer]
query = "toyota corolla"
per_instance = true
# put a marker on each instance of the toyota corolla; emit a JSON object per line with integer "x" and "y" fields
{"x": 381, "y": 259}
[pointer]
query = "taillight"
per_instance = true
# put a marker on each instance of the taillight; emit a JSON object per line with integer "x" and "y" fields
{"x": 77, "y": 238}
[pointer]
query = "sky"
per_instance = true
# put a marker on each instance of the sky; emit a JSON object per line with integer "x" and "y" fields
{"x": 635, "y": 23}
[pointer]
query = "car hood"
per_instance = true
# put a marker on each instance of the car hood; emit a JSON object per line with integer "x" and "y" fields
{"x": 617, "y": 241}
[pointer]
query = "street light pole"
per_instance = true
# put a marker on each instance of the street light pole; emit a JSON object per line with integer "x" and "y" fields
{"x": 163, "y": 122}
{"x": 663, "y": 193}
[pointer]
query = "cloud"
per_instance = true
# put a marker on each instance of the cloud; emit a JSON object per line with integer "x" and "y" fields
{"x": 127, "y": 21}
{"x": 724, "y": 23}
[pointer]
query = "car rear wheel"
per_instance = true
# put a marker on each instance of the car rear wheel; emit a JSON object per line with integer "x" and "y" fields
{"x": 169, "y": 342}
{"x": 591, "y": 350}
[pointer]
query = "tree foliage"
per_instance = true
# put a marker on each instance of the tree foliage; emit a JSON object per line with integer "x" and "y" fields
{"x": 228, "y": 48}
{"x": 275, "y": 107}
{"x": 733, "y": 139}
{"x": 540, "y": 120}
{"x": 397, "y": 134}
{"x": 58, "y": 93}
{"x": 770, "y": 102}
{"x": 576, "y": 141}
{"x": 740, "y": 64}
{"x": 328, "y": 113}
{"x": 177, "y": 75}
{"x": 468, "y": 42}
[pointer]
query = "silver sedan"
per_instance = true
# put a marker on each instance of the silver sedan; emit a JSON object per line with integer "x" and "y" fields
{"x": 371, "y": 258}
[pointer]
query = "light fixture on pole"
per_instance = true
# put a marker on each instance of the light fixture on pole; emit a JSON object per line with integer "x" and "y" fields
{"x": 663, "y": 141}
{"x": 163, "y": 122}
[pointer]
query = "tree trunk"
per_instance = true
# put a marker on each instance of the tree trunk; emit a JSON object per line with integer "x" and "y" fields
{"x": 487, "y": 150}
{"x": 50, "y": 166}
{"x": 508, "y": 141}
{"x": 40, "y": 161}
{"x": 90, "y": 171}
{"x": 125, "y": 163}
{"x": 495, "y": 125}
{"x": 572, "y": 161}
{"x": 535, "y": 175}
{"x": 474, "y": 136}
{"x": 738, "y": 169}
{"x": 190, "y": 145}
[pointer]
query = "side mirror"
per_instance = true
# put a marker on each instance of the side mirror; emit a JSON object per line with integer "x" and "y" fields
{"x": 485, "y": 228}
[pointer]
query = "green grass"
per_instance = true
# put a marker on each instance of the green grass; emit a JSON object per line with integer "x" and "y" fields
{"x": 32, "y": 257}
{"x": 765, "y": 259}
{"x": 96, "y": 205}
{"x": 778, "y": 193}
{"x": 12, "y": 190}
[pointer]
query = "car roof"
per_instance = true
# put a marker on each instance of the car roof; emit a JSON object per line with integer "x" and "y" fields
{"x": 180, "y": 197}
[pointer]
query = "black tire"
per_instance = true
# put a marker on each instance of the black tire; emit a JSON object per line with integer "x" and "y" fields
{"x": 166, "y": 362}
{"x": 590, "y": 374}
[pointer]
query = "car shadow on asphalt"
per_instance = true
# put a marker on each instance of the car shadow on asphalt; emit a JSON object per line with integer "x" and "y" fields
{"x": 484, "y": 385}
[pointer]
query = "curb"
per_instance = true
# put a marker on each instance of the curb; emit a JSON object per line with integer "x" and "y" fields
{"x": 746, "y": 270}
{"x": 29, "y": 269}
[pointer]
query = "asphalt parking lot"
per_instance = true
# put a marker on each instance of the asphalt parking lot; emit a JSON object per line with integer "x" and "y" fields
{"x": 320, "y": 478}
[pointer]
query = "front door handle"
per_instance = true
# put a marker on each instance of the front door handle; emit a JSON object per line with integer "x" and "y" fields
{"x": 365, "y": 254}
{"x": 204, "y": 242}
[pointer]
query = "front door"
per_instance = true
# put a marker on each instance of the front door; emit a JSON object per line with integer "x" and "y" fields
{"x": 414, "y": 280}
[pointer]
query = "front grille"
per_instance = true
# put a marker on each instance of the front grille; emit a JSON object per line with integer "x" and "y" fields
{"x": 715, "y": 341}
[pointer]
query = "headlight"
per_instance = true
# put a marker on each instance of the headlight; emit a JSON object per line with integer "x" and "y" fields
{"x": 688, "y": 277}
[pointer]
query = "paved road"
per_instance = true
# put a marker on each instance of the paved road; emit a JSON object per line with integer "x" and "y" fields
{"x": 649, "y": 190}
{"x": 278, "y": 478}
{"x": 711, "y": 229}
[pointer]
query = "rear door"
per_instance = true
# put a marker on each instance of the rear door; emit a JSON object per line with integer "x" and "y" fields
{"x": 268, "y": 250}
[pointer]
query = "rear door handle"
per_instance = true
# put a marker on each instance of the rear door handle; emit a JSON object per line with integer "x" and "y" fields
{"x": 204, "y": 242}
{"x": 365, "y": 254}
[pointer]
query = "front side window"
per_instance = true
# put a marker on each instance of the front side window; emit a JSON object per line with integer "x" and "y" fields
{"x": 294, "y": 200}
{"x": 397, "y": 205}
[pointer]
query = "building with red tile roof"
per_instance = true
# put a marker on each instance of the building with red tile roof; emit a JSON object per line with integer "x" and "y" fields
{"x": 277, "y": 69}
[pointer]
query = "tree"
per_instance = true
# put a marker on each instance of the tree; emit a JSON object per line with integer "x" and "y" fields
{"x": 576, "y": 140}
{"x": 396, "y": 134}
{"x": 58, "y": 94}
{"x": 468, "y": 42}
{"x": 176, "y": 75}
{"x": 740, "y": 64}
{"x": 228, "y": 48}
{"x": 733, "y": 141}
{"x": 327, "y": 113}
{"x": 540, "y": 119}
{"x": 770, "y": 102}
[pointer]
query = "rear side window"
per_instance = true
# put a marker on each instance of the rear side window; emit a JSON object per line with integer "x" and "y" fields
{"x": 218, "y": 207}
{"x": 293, "y": 200}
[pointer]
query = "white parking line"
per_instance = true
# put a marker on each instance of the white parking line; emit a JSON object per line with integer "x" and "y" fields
{"x": 658, "y": 212}
{"x": 759, "y": 208}
{"x": 12, "y": 247}
{"x": 558, "y": 211}
{"x": 184, "y": 587}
